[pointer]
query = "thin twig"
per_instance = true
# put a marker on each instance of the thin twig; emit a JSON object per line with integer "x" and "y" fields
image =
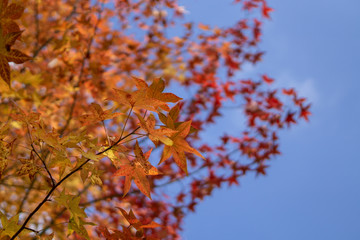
{"x": 107, "y": 135}
{"x": 30, "y": 229}
{"x": 42, "y": 231}
{"x": 46, "y": 168}
{"x": 41, "y": 159}
{"x": 133, "y": 139}
{"x": 127, "y": 118}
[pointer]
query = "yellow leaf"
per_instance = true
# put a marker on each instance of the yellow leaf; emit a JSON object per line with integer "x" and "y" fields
{"x": 162, "y": 134}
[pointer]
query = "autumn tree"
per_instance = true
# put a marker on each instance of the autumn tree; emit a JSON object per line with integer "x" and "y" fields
{"x": 91, "y": 136}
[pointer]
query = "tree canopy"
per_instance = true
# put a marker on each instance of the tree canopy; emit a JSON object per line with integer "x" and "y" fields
{"x": 92, "y": 134}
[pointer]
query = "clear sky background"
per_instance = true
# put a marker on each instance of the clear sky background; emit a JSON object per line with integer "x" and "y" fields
{"x": 312, "y": 191}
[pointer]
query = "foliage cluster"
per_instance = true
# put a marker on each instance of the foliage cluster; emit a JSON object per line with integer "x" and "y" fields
{"x": 79, "y": 131}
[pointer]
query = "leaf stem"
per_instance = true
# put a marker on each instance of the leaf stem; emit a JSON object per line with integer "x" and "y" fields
{"x": 107, "y": 135}
{"x": 33, "y": 230}
{"x": 46, "y": 168}
{"x": 127, "y": 118}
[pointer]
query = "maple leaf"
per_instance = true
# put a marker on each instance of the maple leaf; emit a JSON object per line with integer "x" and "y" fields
{"x": 204, "y": 27}
{"x": 131, "y": 218}
{"x": 290, "y": 118}
{"x": 89, "y": 169}
{"x": 91, "y": 154}
{"x": 305, "y": 112}
{"x": 155, "y": 90}
{"x": 266, "y": 10}
{"x": 52, "y": 139}
{"x": 71, "y": 202}
{"x": 9, "y": 13}
{"x": 289, "y": 92}
{"x": 9, "y": 226}
{"x": 79, "y": 228}
{"x": 180, "y": 145}
{"x": 10, "y": 55}
{"x": 135, "y": 100}
{"x": 267, "y": 79}
{"x": 146, "y": 97}
{"x": 59, "y": 159}
{"x": 24, "y": 117}
{"x": 162, "y": 134}
{"x": 137, "y": 169}
{"x": 28, "y": 167}
{"x": 75, "y": 210}
{"x": 124, "y": 234}
{"x": 261, "y": 169}
{"x": 97, "y": 114}
{"x": 119, "y": 158}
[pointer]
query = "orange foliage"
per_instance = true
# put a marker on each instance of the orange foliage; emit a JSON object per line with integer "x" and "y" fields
{"x": 77, "y": 127}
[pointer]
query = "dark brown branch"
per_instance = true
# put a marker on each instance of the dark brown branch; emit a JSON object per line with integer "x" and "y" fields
{"x": 30, "y": 229}
{"x": 62, "y": 180}
{"x": 42, "y": 231}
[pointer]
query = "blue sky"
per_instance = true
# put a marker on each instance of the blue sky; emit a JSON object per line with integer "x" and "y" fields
{"x": 312, "y": 191}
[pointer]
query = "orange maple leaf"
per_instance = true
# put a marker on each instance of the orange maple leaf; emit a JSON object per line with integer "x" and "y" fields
{"x": 146, "y": 97}
{"x": 9, "y": 55}
{"x": 9, "y": 13}
{"x": 131, "y": 218}
{"x": 97, "y": 114}
{"x": 155, "y": 91}
{"x": 28, "y": 167}
{"x": 180, "y": 146}
{"x": 162, "y": 134}
{"x": 137, "y": 169}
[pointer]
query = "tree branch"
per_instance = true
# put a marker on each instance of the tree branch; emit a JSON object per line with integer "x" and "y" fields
{"x": 30, "y": 229}
{"x": 42, "y": 231}
{"x": 62, "y": 180}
